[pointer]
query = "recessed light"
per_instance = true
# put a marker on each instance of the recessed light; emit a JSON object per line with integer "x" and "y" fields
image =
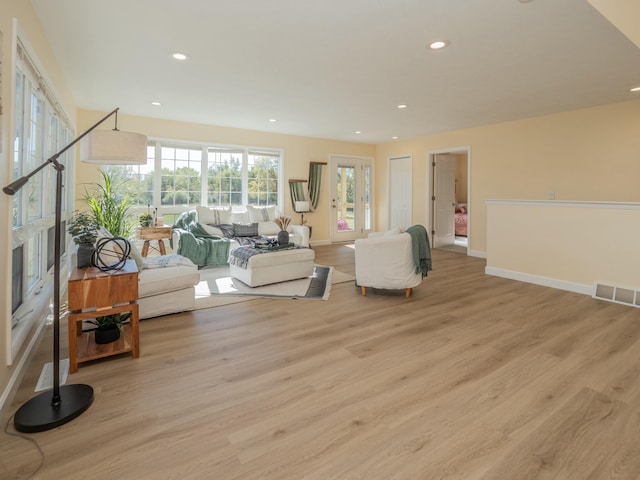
{"x": 635, "y": 89}
{"x": 395, "y": 138}
{"x": 180, "y": 56}
{"x": 358, "y": 132}
{"x": 401, "y": 106}
{"x": 157, "y": 104}
{"x": 273, "y": 120}
{"x": 438, "y": 44}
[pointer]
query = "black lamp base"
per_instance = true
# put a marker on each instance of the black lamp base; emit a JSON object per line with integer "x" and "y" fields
{"x": 38, "y": 415}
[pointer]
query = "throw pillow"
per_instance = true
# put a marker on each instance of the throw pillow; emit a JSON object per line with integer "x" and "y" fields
{"x": 261, "y": 214}
{"x": 213, "y": 215}
{"x": 114, "y": 252}
{"x": 245, "y": 230}
{"x": 135, "y": 254}
{"x": 268, "y": 228}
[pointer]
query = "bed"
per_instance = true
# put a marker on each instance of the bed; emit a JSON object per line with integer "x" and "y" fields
{"x": 461, "y": 220}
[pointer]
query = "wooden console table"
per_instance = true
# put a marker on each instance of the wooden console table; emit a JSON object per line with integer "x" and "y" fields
{"x": 154, "y": 233}
{"x": 94, "y": 293}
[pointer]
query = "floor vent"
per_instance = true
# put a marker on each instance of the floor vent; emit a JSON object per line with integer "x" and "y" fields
{"x": 613, "y": 293}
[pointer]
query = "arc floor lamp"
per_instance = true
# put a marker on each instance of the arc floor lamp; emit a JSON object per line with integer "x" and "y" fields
{"x": 60, "y": 405}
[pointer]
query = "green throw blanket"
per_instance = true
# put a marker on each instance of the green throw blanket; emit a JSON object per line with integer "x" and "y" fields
{"x": 197, "y": 245}
{"x": 421, "y": 249}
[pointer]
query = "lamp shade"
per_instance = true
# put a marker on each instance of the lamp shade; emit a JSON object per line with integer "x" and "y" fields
{"x": 302, "y": 206}
{"x": 113, "y": 147}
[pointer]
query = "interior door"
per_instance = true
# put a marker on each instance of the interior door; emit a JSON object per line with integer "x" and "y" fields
{"x": 400, "y": 201}
{"x": 351, "y": 197}
{"x": 444, "y": 203}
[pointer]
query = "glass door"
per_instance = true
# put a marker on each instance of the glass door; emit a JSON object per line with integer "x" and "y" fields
{"x": 351, "y": 198}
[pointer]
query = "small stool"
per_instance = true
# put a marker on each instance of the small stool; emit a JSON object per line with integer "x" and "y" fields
{"x": 276, "y": 266}
{"x": 154, "y": 233}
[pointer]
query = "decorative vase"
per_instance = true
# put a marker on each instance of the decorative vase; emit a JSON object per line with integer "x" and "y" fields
{"x": 283, "y": 237}
{"x": 107, "y": 334}
{"x": 85, "y": 254}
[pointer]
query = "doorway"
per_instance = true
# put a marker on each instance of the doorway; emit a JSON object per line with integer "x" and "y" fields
{"x": 351, "y": 197}
{"x": 400, "y": 191}
{"x": 449, "y": 184}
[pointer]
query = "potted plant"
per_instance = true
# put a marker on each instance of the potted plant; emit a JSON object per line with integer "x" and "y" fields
{"x": 84, "y": 231}
{"x": 109, "y": 326}
{"x": 145, "y": 219}
{"x": 283, "y": 235}
{"x": 110, "y": 205}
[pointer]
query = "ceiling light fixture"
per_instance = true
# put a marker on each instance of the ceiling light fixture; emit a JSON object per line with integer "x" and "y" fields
{"x": 273, "y": 120}
{"x": 180, "y": 56}
{"x": 395, "y": 138}
{"x": 635, "y": 89}
{"x": 438, "y": 44}
{"x": 358, "y": 132}
{"x": 157, "y": 104}
{"x": 402, "y": 105}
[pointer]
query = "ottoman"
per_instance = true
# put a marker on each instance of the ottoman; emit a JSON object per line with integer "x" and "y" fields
{"x": 274, "y": 267}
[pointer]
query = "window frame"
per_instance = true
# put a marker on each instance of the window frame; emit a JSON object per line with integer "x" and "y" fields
{"x": 33, "y": 143}
{"x": 156, "y": 145}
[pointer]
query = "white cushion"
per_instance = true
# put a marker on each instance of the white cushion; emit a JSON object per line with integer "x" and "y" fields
{"x": 211, "y": 230}
{"x": 213, "y": 215}
{"x": 240, "y": 217}
{"x": 261, "y": 214}
{"x": 136, "y": 256}
{"x": 268, "y": 228}
{"x": 162, "y": 280}
{"x": 281, "y": 258}
{"x": 393, "y": 231}
{"x": 113, "y": 252}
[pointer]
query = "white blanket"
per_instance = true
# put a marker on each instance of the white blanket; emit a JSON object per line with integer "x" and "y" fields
{"x": 170, "y": 260}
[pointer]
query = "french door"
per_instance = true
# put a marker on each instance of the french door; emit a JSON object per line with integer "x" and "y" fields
{"x": 351, "y": 197}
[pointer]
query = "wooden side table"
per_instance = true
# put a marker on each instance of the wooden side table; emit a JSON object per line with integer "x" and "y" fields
{"x": 154, "y": 233}
{"x": 94, "y": 293}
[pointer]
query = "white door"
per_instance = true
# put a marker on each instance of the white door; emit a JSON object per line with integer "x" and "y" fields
{"x": 400, "y": 201}
{"x": 351, "y": 197}
{"x": 444, "y": 203}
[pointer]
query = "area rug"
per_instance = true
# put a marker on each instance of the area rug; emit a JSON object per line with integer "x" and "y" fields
{"x": 218, "y": 288}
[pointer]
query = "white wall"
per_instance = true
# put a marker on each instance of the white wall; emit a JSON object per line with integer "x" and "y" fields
{"x": 568, "y": 245}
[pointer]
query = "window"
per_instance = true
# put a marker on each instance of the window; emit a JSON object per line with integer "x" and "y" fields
{"x": 41, "y": 129}
{"x": 179, "y": 176}
{"x": 16, "y": 278}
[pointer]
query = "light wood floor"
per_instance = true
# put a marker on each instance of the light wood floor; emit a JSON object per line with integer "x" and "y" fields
{"x": 473, "y": 377}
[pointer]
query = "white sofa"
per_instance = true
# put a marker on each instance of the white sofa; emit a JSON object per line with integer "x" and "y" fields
{"x": 166, "y": 283}
{"x": 385, "y": 261}
{"x": 166, "y": 289}
{"x": 209, "y": 217}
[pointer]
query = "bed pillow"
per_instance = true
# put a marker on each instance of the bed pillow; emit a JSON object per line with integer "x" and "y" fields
{"x": 261, "y": 214}
{"x": 245, "y": 230}
{"x": 214, "y": 215}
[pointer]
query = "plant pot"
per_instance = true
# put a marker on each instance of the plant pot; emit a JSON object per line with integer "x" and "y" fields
{"x": 85, "y": 254}
{"x": 107, "y": 334}
{"x": 283, "y": 237}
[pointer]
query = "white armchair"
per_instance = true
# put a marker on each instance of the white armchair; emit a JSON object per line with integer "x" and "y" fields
{"x": 385, "y": 260}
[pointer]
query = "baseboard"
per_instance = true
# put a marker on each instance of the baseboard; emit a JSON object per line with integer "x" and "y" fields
{"x": 540, "y": 280}
{"x": 476, "y": 253}
{"x": 319, "y": 243}
{"x": 21, "y": 367}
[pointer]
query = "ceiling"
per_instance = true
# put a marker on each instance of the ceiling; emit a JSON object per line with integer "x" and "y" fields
{"x": 333, "y": 67}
